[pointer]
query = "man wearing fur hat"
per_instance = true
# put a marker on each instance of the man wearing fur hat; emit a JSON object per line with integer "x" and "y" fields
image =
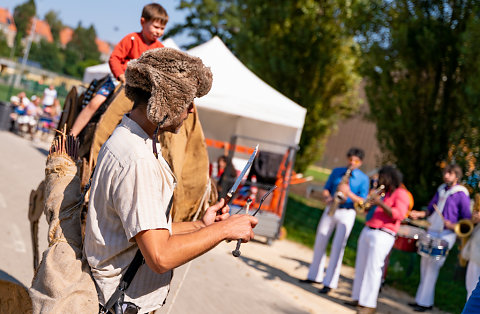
{"x": 133, "y": 185}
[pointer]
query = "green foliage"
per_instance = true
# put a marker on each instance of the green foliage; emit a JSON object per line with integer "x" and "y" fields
{"x": 206, "y": 19}
{"x": 4, "y": 49}
{"x": 414, "y": 61}
{"x": 83, "y": 41}
{"x": 22, "y": 14}
{"x": 55, "y": 23}
{"x": 301, "y": 48}
{"x": 81, "y": 51}
{"x": 404, "y": 274}
{"x": 319, "y": 175}
{"x": 48, "y": 55}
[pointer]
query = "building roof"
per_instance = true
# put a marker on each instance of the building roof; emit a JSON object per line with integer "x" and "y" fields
{"x": 43, "y": 29}
{"x": 103, "y": 46}
{"x": 7, "y": 19}
{"x": 65, "y": 35}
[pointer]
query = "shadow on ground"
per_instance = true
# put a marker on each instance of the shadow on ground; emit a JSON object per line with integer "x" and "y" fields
{"x": 388, "y": 302}
{"x": 7, "y": 277}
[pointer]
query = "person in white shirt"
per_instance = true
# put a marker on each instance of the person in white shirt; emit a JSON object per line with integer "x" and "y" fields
{"x": 49, "y": 96}
{"x": 133, "y": 185}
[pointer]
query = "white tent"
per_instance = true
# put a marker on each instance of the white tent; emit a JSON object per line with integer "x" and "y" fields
{"x": 100, "y": 70}
{"x": 240, "y": 103}
{"x": 95, "y": 72}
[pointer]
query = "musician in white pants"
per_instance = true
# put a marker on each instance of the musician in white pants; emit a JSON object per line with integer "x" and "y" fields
{"x": 471, "y": 253}
{"x": 453, "y": 204}
{"x": 377, "y": 238}
{"x": 356, "y": 189}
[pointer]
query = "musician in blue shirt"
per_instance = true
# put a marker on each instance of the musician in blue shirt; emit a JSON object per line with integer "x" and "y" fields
{"x": 342, "y": 220}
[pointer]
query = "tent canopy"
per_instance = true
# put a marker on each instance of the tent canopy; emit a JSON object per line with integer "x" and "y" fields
{"x": 240, "y": 103}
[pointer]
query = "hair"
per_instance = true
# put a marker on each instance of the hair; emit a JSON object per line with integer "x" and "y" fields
{"x": 391, "y": 177}
{"x": 357, "y": 152}
{"x": 455, "y": 169}
{"x": 141, "y": 97}
{"x": 155, "y": 12}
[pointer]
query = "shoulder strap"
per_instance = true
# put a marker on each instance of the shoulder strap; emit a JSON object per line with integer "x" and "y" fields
{"x": 127, "y": 278}
{"x": 132, "y": 269}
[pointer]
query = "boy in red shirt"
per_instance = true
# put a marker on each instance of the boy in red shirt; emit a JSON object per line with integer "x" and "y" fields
{"x": 154, "y": 19}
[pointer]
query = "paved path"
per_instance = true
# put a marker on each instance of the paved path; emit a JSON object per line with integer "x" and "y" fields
{"x": 22, "y": 166}
{"x": 263, "y": 280}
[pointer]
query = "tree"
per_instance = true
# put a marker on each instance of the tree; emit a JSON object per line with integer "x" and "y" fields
{"x": 23, "y": 14}
{"x": 55, "y": 23}
{"x": 303, "y": 50}
{"x": 416, "y": 74}
{"x": 299, "y": 47}
{"x": 4, "y": 49}
{"x": 48, "y": 55}
{"x": 81, "y": 50}
{"x": 206, "y": 19}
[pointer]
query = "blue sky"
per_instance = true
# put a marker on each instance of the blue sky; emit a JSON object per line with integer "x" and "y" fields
{"x": 112, "y": 19}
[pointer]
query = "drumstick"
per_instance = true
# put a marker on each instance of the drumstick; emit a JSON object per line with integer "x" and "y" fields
{"x": 438, "y": 212}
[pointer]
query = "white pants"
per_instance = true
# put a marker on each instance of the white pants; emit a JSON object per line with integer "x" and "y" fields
{"x": 342, "y": 221}
{"x": 429, "y": 269}
{"x": 372, "y": 249}
{"x": 472, "y": 277}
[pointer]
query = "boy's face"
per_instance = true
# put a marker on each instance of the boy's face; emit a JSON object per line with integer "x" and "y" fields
{"x": 152, "y": 30}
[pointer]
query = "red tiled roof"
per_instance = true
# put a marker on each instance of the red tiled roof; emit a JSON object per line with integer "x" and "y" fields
{"x": 65, "y": 35}
{"x": 7, "y": 18}
{"x": 103, "y": 46}
{"x": 43, "y": 29}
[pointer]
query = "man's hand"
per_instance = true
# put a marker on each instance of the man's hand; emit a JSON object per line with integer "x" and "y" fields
{"x": 344, "y": 188}
{"x": 327, "y": 198}
{"x": 449, "y": 225}
{"x": 476, "y": 217}
{"x": 211, "y": 213}
{"x": 375, "y": 199}
{"x": 417, "y": 214}
{"x": 240, "y": 227}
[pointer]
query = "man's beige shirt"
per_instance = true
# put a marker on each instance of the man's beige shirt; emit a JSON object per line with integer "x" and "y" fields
{"x": 130, "y": 193}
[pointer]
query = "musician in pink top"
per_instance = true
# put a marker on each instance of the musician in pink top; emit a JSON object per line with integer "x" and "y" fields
{"x": 377, "y": 238}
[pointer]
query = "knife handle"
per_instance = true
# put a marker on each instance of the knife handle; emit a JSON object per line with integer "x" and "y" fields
{"x": 227, "y": 200}
{"x": 237, "y": 252}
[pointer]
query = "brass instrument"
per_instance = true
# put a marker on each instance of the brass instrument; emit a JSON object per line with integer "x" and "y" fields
{"x": 361, "y": 206}
{"x": 338, "y": 197}
{"x": 464, "y": 228}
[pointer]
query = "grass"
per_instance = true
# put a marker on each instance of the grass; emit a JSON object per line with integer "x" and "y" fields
{"x": 5, "y": 90}
{"x": 319, "y": 175}
{"x": 301, "y": 219}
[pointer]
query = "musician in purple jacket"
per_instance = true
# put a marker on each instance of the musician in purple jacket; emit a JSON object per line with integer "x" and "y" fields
{"x": 453, "y": 203}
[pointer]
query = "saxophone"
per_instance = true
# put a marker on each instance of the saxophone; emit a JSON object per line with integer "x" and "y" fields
{"x": 464, "y": 229}
{"x": 361, "y": 206}
{"x": 338, "y": 197}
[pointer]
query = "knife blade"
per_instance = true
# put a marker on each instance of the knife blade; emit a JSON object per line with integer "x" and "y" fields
{"x": 232, "y": 190}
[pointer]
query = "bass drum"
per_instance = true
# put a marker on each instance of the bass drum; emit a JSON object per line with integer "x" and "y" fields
{"x": 407, "y": 237}
{"x": 429, "y": 246}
